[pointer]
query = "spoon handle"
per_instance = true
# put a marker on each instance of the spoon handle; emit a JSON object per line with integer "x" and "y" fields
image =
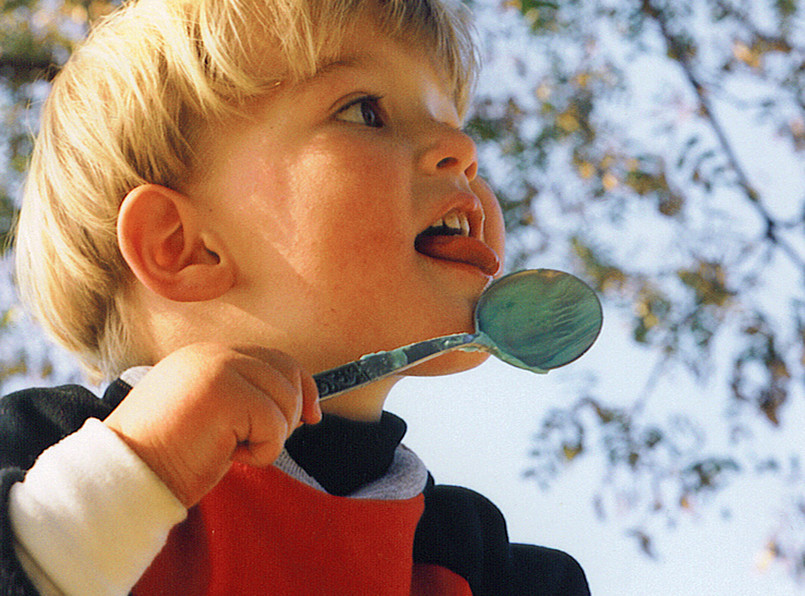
{"x": 372, "y": 367}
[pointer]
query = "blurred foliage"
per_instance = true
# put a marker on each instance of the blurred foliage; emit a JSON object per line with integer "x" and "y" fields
{"x": 629, "y": 141}
{"x": 36, "y": 37}
{"x": 658, "y": 149}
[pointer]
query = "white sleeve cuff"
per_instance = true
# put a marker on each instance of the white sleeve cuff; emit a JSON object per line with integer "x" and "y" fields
{"x": 90, "y": 515}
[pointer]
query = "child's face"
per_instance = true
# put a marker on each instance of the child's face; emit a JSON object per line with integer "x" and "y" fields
{"x": 319, "y": 200}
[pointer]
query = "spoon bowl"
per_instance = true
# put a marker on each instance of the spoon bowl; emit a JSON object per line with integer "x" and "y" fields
{"x": 536, "y": 319}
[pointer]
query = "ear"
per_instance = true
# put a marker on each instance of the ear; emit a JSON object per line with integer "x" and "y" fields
{"x": 161, "y": 239}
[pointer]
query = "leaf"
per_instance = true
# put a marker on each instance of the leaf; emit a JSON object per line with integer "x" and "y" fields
{"x": 571, "y": 451}
{"x": 644, "y": 541}
{"x": 709, "y": 283}
{"x": 708, "y": 474}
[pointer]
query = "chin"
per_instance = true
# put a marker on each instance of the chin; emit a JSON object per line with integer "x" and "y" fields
{"x": 448, "y": 364}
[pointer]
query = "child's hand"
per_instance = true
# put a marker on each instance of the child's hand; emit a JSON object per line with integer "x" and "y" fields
{"x": 206, "y": 405}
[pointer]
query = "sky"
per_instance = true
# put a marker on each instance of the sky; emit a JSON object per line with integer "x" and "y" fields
{"x": 474, "y": 429}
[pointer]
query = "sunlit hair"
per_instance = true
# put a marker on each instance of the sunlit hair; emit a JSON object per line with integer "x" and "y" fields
{"x": 127, "y": 109}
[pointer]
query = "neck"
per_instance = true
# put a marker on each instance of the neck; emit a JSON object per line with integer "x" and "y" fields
{"x": 364, "y": 404}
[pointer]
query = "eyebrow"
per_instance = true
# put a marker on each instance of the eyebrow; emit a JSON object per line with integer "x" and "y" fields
{"x": 339, "y": 63}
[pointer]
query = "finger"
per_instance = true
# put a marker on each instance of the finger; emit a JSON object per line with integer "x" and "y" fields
{"x": 298, "y": 377}
{"x": 311, "y": 408}
{"x": 267, "y": 440}
{"x": 273, "y": 390}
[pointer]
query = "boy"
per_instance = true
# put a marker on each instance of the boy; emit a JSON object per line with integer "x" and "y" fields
{"x": 225, "y": 195}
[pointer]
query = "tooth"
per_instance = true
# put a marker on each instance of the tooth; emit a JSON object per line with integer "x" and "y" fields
{"x": 465, "y": 225}
{"x": 452, "y": 221}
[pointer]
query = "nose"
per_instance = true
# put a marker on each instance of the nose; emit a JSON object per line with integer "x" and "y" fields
{"x": 450, "y": 151}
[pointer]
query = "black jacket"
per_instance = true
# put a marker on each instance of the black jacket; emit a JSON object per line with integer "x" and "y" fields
{"x": 460, "y": 529}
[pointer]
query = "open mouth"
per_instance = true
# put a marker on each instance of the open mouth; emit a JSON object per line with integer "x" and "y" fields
{"x": 451, "y": 239}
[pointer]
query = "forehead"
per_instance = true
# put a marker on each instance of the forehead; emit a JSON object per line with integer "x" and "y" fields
{"x": 363, "y": 53}
{"x": 387, "y": 68}
{"x": 336, "y": 39}
{"x": 403, "y": 75}
{"x": 360, "y": 45}
{"x": 384, "y": 55}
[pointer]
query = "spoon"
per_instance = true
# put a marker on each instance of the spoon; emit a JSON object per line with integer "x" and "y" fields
{"x": 537, "y": 319}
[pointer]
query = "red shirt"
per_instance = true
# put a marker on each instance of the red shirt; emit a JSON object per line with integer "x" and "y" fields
{"x": 262, "y": 532}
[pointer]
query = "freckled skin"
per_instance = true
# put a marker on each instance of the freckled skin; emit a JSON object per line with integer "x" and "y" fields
{"x": 321, "y": 212}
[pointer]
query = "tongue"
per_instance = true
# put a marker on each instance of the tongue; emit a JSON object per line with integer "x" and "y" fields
{"x": 460, "y": 249}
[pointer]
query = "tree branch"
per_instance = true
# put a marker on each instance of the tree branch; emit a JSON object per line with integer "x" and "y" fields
{"x": 28, "y": 68}
{"x": 677, "y": 49}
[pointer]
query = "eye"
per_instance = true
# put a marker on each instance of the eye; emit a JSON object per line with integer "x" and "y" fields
{"x": 364, "y": 110}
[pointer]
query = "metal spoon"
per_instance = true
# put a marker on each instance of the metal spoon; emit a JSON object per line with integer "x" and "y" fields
{"x": 537, "y": 319}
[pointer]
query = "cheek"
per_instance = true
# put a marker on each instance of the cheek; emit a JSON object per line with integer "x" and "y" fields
{"x": 358, "y": 197}
{"x": 253, "y": 196}
{"x": 363, "y": 159}
{"x": 494, "y": 229}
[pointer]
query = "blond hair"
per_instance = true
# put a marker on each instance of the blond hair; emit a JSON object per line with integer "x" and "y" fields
{"x": 126, "y": 110}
